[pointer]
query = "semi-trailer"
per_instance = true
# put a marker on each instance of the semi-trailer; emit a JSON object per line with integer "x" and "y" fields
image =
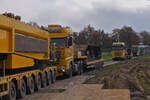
{"x": 72, "y": 58}
{"x": 118, "y": 50}
{"x": 121, "y": 51}
{"x": 24, "y": 56}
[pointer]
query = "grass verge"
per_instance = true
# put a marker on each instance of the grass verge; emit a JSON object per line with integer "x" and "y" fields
{"x": 107, "y": 56}
{"x": 133, "y": 74}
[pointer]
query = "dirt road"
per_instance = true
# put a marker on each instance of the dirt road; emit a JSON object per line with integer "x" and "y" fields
{"x": 52, "y": 91}
{"x": 109, "y": 63}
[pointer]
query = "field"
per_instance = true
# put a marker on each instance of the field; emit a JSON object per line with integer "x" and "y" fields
{"x": 130, "y": 74}
{"x": 107, "y": 56}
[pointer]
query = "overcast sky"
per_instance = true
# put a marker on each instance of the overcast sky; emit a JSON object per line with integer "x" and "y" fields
{"x": 103, "y": 14}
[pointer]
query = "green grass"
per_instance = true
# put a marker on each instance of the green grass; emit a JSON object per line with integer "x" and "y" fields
{"x": 143, "y": 57}
{"x": 132, "y": 74}
{"x": 107, "y": 56}
{"x": 109, "y": 67}
{"x": 117, "y": 65}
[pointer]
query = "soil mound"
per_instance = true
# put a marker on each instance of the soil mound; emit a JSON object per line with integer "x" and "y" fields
{"x": 132, "y": 74}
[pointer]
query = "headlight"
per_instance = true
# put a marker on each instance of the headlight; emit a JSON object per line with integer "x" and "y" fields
{"x": 69, "y": 52}
{"x": 63, "y": 69}
{"x": 79, "y": 53}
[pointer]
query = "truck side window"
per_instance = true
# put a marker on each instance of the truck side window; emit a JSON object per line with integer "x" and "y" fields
{"x": 70, "y": 41}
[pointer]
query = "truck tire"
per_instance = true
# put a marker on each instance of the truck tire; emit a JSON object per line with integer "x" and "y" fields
{"x": 53, "y": 76}
{"x": 70, "y": 71}
{"x": 97, "y": 66}
{"x": 39, "y": 82}
{"x": 44, "y": 80}
{"x": 12, "y": 92}
{"x": 32, "y": 85}
{"x": 49, "y": 78}
{"x": 80, "y": 68}
{"x": 23, "y": 89}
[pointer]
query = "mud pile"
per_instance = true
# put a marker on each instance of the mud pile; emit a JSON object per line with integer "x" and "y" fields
{"x": 133, "y": 75}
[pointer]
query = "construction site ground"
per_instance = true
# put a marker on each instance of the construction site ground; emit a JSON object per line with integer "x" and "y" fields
{"x": 133, "y": 74}
{"x": 74, "y": 89}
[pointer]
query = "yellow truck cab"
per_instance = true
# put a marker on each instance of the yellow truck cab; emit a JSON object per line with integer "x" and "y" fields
{"x": 62, "y": 41}
{"x": 69, "y": 59}
{"x": 118, "y": 50}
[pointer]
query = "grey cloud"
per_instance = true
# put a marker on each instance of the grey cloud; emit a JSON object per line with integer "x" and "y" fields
{"x": 109, "y": 19}
{"x": 68, "y": 13}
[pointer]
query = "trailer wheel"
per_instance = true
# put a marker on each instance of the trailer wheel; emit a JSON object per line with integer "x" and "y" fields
{"x": 12, "y": 92}
{"x": 44, "y": 81}
{"x": 32, "y": 85}
{"x": 53, "y": 76}
{"x": 23, "y": 89}
{"x": 49, "y": 78}
{"x": 39, "y": 82}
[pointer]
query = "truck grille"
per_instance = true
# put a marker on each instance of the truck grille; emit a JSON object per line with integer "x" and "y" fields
{"x": 58, "y": 55}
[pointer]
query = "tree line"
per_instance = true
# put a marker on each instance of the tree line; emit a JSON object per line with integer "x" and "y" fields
{"x": 91, "y": 36}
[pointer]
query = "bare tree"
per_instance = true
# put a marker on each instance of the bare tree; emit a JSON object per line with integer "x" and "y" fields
{"x": 145, "y": 37}
{"x": 127, "y": 35}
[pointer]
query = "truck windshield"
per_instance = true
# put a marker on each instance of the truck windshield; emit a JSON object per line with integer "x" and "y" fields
{"x": 59, "y": 41}
{"x": 117, "y": 47}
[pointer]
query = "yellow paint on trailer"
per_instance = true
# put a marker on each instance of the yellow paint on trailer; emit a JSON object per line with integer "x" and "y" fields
{"x": 34, "y": 55}
{"x": 80, "y": 57}
{"x": 20, "y": 27}
{"x": 16, "y": 62}
{"x": 3, "y": 82}
{"x": 7, "y": 79}
{"x": 9, "y": 27}
{"x": 94, "y": 62}
{"x": 5, "y": 41}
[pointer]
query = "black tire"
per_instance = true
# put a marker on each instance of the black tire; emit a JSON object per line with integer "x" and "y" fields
{"x": 31, "y": 88}
{"x": 49, "y": 78}
{"x": 97, "y": 66}
{"x": 113, "y": 59}
{"x": 23, "y": 89}
{"x": 53, "y": 76}
{"x": 70, "y": 71}
{"x": 44, "y": 80}
{"x": 12, "y": 92}
{"x": 80, "y": 68}
{"x": 39, "y": 82}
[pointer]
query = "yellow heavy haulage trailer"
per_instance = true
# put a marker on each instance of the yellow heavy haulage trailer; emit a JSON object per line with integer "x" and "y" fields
{"x": 31, "y": 58}
{"x": 24, "y": 53}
